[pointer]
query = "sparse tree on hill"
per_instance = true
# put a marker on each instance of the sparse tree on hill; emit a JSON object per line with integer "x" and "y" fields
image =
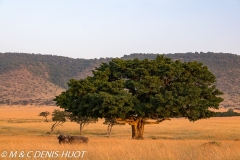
{"x": 44, "y": 114}
{"x": 136, "y": 91}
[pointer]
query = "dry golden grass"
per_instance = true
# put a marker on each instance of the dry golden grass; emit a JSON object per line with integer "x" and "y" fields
{"x": 178, "y": 139}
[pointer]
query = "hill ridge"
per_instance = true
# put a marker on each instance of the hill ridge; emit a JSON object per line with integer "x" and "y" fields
{"x": 55, "y": 71}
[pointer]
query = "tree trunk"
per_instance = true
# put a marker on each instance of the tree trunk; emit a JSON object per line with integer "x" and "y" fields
{"x": 138, "y": 129}
{"x": 54, "y": 126}
{"x": 46, "y": 119}
{"x": 109, "y": 130}
{"x": 133, "y": 131}
{"x": 81, "y": 127}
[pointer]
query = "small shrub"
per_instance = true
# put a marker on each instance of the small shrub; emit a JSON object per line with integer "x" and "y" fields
{"x": 216, "y": 143}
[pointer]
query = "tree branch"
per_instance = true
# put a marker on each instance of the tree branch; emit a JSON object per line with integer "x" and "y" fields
{"x": 161, "y": 120}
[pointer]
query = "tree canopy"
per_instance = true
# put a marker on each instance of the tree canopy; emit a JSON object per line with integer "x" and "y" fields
{"x": 44, "y": 114}
{"x": 59, "y": 117}
{"x": 134, "y": 91}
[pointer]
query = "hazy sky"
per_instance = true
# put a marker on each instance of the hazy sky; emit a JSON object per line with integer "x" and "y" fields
{"x": 113, "y": 28}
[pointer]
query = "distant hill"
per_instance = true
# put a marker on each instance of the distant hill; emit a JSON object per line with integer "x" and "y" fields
{"x": 36, "y": 79}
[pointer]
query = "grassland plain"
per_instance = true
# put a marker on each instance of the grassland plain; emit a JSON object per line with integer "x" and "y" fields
{"x": 23, "y": 131}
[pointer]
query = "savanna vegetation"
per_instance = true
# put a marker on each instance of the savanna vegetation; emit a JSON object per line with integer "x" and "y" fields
{"x": 21, "y": 129}
{"x": 137, "y": 91}
{"x": 30, "y": 81}
{"x": 229, "y": 113}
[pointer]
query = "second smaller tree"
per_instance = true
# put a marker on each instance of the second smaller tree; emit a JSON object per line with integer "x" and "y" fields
{"x": 59, "y": 117}
{"x": 82, "y": 121}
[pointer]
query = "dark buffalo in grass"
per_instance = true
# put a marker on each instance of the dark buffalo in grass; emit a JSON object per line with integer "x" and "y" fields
{"x": 62, "y": 139}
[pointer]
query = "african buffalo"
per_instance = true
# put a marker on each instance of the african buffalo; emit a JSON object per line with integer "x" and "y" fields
{"x": 72, "y": 139}
{"x": 77, "y": 139}
{"x": 62, "y": 139}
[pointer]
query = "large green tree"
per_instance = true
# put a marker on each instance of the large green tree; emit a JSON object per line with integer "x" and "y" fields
{"x": 135, "y": 91}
